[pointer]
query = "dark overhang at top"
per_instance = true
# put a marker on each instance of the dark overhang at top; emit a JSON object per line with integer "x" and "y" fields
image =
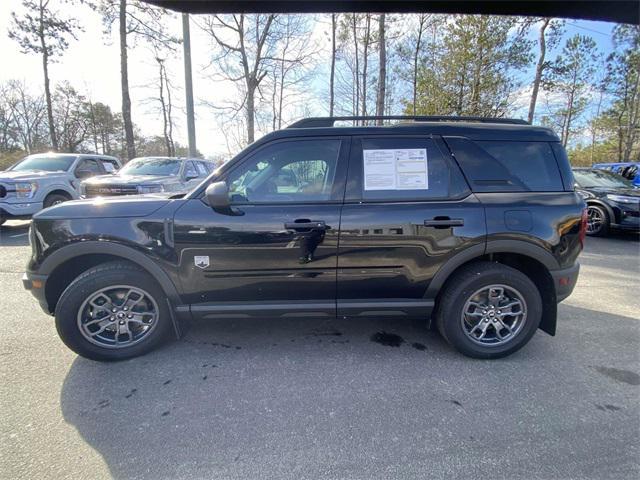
{"x": 622, "y": 11}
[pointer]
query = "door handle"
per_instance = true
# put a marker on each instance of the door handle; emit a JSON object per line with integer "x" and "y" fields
{"x": 444, "y": 222}
{"x": 306, "y": 225}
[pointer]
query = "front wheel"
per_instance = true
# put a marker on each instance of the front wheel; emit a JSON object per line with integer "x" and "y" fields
{"x": 597, "y": 221}
{"x": 489, "y": 310}
{"x": 54, "y": 199}
{"x": 112, "y": 312}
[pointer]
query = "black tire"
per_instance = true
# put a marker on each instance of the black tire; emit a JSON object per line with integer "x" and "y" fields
{"x": 101, "y": 277}
{"x": 460, "y": 289}
{"x": 54, "y": 199}
{"x": 606, "y": 221}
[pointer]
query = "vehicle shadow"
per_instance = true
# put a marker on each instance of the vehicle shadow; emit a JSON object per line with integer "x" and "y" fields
{"x": 193, "y": 406}
{"x": 240, "y": 398}
{"x": 14, "y": 234}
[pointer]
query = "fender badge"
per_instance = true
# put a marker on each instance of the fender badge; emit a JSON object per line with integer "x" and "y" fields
{"x": 201, "y": 261}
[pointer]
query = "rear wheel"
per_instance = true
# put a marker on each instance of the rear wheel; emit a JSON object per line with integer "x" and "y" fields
{"x": 54, "y": 199}
{"x": 489, "y": 310}
{"x": 597, "y": 221}
{"x": 112, "y": 312}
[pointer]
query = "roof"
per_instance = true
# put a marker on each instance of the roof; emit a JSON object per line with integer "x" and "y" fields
{"x": 471, "y": 130}
{"x": 624, "y": 11}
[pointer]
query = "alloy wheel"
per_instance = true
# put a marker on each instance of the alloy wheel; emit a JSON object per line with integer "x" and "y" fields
{"x": 117, "y": 316}
{"x": 494, "y": 315}
{"x": 595, "y": 220}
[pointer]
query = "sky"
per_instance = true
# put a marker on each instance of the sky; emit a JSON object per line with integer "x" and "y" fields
{"x": 92, "y": 66}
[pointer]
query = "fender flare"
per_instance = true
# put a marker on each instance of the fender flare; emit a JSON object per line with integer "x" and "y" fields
{"x": 74, "y": 250}
{"x": 59, "y": 186}
{"x": 496, "y": 246}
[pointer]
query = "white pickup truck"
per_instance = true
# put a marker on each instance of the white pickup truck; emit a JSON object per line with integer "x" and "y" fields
{"x": 45, "y": 179}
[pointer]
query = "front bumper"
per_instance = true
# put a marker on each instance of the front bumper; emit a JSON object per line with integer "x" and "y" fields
{"x": 36, "y": 285}
{"x": 19, "y": 210}
{"x": 565, "y": 280}
{"x": 626, "y": 217}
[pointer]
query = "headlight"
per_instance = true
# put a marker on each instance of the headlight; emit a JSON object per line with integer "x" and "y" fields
{"x": 26, "y": 190}
{"x": 150, "y": 188}
{"x": 624, "y": 199}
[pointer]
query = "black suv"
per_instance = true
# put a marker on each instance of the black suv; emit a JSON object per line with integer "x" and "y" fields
{"x": 613, "y": 202}
{"x": 471, "y": 223}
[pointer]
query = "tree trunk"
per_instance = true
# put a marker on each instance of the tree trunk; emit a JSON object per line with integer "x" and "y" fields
{"x": 539, "y": 69}
{"x": 356, "y": 76}
{"x": 45, "y": 70}
{"x": 333, "y": 64}
{"x": 165, "y": 122}
{"x": 365, "y": 63}
{"x": 250, "y": 112}
{"x": 416, "y": 57}
{"x": 124, "y": 81}
{"x": 382, "y": 70}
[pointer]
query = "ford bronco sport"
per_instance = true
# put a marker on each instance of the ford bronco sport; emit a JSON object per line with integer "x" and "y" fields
{"x": 471, "y": 224}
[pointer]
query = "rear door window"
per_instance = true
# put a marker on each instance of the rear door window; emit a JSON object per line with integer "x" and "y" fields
{"x": 403, "y": 169}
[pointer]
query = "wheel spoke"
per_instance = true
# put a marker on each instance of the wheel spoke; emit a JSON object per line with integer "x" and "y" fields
{"x": 509, "y": 307}
{"x": 127, "y": 326}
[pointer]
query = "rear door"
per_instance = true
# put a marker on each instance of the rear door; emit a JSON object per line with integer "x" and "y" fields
{"x": 408, "y": 210}
{"x": 278, "y": 255}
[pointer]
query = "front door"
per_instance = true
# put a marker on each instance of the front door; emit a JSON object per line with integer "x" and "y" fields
{"x": 407, "y": 211}
{"x": 277, "y": 255}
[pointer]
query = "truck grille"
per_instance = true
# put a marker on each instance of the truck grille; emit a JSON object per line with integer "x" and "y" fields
{"x": 110, "y": 190}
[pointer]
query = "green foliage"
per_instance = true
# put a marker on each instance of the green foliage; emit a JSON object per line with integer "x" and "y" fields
{"x": 41, "y": 29}
{"x": 471, "y": 72}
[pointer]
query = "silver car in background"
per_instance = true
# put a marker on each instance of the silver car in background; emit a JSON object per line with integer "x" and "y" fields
{"x": 45, "y": 179}
{"x": 150, "y": 175}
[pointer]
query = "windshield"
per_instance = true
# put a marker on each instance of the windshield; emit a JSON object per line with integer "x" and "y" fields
{"x": 151, "y": 166}
{"x": 46, "y": 163}
{"x": 600, "y": 178}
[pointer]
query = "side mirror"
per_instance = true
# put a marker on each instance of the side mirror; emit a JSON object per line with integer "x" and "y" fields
{"x": 188, "y": 178}
{"x": 217, "y": 195}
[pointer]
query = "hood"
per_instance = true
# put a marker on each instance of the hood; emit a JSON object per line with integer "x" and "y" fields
{"x": 111, "y": 207}
{"x": 601, "y": 191}
{"x": 129, "y": 179}
{"x": 28, "y": 175}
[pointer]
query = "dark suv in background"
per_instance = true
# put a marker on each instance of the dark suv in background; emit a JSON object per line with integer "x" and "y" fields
{"x": 470, "y": 224}
{"x": 613, "y": 202}
{"x": 150, "y": 175}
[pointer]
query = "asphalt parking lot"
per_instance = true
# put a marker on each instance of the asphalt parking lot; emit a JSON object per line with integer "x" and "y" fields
{"x": 307, "y": 399}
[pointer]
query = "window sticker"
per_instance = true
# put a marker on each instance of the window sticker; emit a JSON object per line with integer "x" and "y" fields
{"x": 396, "y": 169}
{"x": 108, "y": 167}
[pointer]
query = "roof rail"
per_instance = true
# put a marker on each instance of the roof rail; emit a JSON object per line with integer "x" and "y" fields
{"x": 329, "y": 121}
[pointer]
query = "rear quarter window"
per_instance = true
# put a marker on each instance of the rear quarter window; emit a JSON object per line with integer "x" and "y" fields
{"x": 494, "y": 166}
{"x": 532, "y": 163}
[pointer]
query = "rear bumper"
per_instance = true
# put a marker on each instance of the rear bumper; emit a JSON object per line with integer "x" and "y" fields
{"x": 565, "y": 280}
{"x": 36, "y": 285}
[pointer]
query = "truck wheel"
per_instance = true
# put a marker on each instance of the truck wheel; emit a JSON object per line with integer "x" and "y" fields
{"x": 54, "y": 199}
{"x": 597, "y": 221}
{"x": 489, "y": 310}
{"x": 112, "y": 312}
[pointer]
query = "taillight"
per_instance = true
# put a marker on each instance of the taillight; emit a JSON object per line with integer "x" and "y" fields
{"x": 583, "y": 227}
